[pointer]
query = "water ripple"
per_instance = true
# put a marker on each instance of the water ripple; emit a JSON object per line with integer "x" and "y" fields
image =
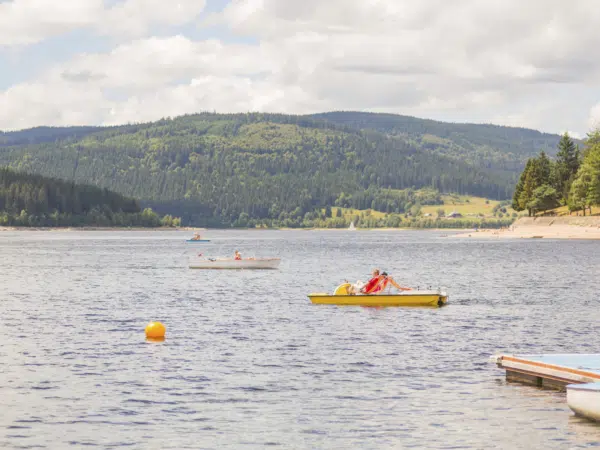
{"x": 248, "y": 361}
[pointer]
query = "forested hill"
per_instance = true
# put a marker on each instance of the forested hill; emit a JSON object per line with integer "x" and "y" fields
{"x": 484, "y": 145}
{"x": 33, "y": 200}
{"x": 44, "y": 134}
{"x": 229, "y": 168}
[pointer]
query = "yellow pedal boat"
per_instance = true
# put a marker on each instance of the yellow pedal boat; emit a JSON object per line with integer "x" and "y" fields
{"x": 407, "y": 298}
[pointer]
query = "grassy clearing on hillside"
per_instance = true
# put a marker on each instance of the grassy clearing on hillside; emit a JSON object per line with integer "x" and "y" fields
{"x": 466, "y": 205}
{"x": 350, "y": 213}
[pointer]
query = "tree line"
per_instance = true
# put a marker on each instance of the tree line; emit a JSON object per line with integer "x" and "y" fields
{"x": 572, "y": 179}
{"x": 221, "y": 170}
{"x": 33, "y": 200}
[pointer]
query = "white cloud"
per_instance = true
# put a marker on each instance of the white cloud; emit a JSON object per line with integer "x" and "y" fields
{"x": 208, "y": 93}
{"x": 135, "y": 17}
{"x": 446, "y": 56}
{"x": 29, "y": 21}
{"x": 32, "y": 104}
{"x": 153, "y": 78}
{"x": 24, "y": 22}
{"x": 502, "y": 61}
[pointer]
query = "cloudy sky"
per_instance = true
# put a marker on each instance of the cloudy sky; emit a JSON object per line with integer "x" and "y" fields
{"x": 73, "y": 62}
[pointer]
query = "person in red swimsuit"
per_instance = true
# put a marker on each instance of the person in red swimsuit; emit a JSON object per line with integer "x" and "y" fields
{"x": 237, "y": 257}
{"x": 385, "y": 280}
{"x": 372, "y": 283}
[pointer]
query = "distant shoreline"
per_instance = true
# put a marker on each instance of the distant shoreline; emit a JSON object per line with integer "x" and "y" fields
{"x": 448, "y": 230}
{"x": 64, "y": 229}
{"x": 574, "y": 228}
{"x": 533, "y": 233}
{"x": 67, "y": 229}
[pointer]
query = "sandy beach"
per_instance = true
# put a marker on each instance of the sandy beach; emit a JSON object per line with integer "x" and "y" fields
{"x": 544, "y": 228}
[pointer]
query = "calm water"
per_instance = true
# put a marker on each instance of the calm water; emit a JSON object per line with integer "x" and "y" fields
{"x": 249, "y": 362}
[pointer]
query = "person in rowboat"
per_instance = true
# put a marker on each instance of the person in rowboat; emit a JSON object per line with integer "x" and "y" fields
{"x": 238, "y": 256}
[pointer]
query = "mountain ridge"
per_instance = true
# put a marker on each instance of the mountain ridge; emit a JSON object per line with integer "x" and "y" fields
{"x": 235, "y": 168}
{"x": 86, "y": 129}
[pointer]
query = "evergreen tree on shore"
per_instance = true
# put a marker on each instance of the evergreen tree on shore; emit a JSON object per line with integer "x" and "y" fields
{"x": 534, "y": 192}
{"x": 585, "y": 189}
{"x": 516, "y": 202}
{"x": 567, "y": 164}
{"x": 544, "y": 184}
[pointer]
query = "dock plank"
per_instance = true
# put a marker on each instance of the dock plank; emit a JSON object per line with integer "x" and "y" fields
{"x": 553, "y": 371}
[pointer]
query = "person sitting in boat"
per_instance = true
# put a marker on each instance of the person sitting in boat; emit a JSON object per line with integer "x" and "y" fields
{"x": 372, "y": 283}
{"x": 355, "y": 288}
{"x": 361, "y": 288}
{"x": 385, "y": 281}
{"x": 238, "y": 256}
{"x": 196, "y": 237}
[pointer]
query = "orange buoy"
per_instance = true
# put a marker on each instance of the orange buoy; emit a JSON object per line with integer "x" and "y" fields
{"x": 155, "y": 330}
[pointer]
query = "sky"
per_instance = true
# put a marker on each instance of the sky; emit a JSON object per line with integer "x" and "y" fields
{"x": 530, "y": 64}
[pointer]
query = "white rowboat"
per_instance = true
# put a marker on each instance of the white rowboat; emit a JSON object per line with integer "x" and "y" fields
{"x": 230, "y": 263}
{"x": 584, "y": 400}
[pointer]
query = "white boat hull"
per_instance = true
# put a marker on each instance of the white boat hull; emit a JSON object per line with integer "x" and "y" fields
{"x": 259, "y": 263}
{"x": 584, "y": 400}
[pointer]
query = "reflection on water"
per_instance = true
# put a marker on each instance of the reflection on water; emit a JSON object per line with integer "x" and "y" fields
{"x": 583, "y": 430}
{"x": 248, "y": 361}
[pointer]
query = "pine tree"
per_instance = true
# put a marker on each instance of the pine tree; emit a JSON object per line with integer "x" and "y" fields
{"x": 578, "y": 195}
{"x": 543, "y": 169}
{"x": 519, "y": 189}
{"x": 591, "y": 165}
{"x": 585, "y": 190}
{"x": 544, "y": 198}
{"x": 567, "y": 164}
{"x": 593, "y": 139}
{"x": 537, "y": 173}
{"x": 529, "y": 186}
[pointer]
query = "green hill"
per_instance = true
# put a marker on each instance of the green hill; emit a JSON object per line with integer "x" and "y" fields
{"x": 43, "y": 134}
{"x": 33, "y": 200}
{"x": 243, "y": 169}
{"x": 491, "y": 147}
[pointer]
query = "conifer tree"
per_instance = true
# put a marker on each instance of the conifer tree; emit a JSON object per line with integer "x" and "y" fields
{"x": 567, "y": 164}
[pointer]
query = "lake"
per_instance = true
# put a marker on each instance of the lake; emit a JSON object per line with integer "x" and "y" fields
{"x": 249, "y": 362}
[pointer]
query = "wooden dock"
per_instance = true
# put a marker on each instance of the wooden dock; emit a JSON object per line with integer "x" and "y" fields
{"x": 551, "y": 371}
